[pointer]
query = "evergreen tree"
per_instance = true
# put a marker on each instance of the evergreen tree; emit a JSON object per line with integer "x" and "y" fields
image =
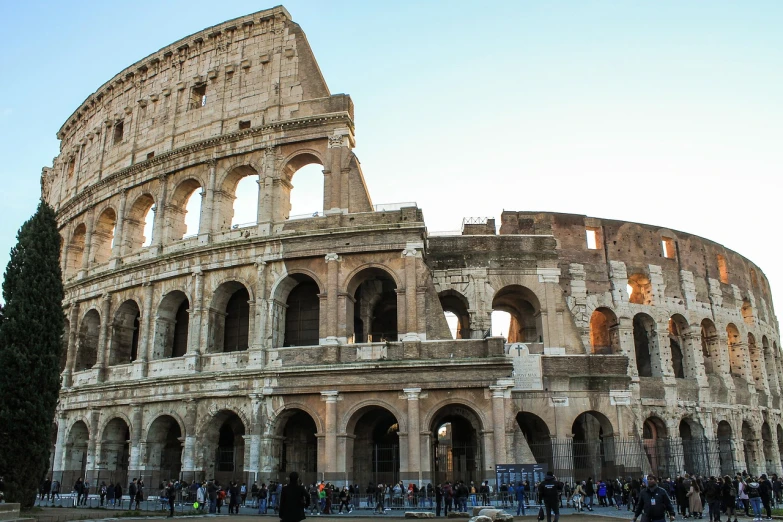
{"x": 31, "y": 326}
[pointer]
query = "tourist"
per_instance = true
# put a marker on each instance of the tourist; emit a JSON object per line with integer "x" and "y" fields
{"x": 293, "y": 500}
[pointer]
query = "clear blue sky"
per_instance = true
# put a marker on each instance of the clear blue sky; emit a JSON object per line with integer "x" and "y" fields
{"x": 665, "y": 112}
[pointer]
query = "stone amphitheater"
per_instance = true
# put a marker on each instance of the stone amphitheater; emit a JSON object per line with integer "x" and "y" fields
{"x": 320, "y": 344}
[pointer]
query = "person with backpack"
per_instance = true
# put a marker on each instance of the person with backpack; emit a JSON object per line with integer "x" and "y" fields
{"x": 729, "y": 495}
{"x": 753, "y": 489}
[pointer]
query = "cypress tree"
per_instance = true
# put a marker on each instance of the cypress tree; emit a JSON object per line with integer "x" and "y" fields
{"x": 31, "y": 326}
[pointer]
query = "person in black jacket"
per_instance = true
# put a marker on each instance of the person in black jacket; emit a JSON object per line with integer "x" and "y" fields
{"x": 765, "y": 490}
{"x": 550, "y": 496}
{"x": 654, "y": 502}
{"x": 294, "y": 499}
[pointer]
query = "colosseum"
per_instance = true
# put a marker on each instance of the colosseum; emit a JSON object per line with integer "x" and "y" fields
{"x": 321, "y": 344}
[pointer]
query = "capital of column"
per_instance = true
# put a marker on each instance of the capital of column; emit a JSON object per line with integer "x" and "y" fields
{"x": 332, "y": 257}
{"x": 412, "y": 393}
{"x": 330, "y": 396}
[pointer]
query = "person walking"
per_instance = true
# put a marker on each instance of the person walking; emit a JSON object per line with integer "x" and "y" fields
{"x": 520, "y": 494}
{"x": 766, "y": 495}
{"x": 171, "y": 494}
{"x": 293, "y": 500}
{"x": 653, "y": 502}
{"x": 550, "y": 497}
{"x": 694, "y": 500}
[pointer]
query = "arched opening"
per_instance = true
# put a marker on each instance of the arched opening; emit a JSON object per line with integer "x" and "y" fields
{"x": 523, "y": 306}
{"x": 306, "y": 193}
{"x": 374, "y": 307}
{"x": 229, "y": 318}
{"x": 645, "y": 341}
{"x": 125, "y": 334}
{"x": 103, "y": 236}
{"x": 242, "y": 210}
{"x": 500, "y": 323}
{"x": 183, "y": 214}
{"x": 749, "y": 441}
{"x": 225, "y": 447}
{"x": 655, "y": 434}
{"x": 737, "y": 357}
{"x": 639, "y": 289}
{"x": 87, "y": 349}
{"x": 75, "y": 458}
{"x": 747, "y": 312}
{"x": 455, "y": 308}
{"x": 766, "y": 446}
{"x": 604, "y": 334}
{"x": 139, "y": 223}
{"x": 696, "y": 451}
{"x": 171, "y": 326}
{"x": 376, "y": 446}
{"x": 164, "y": 449}
{"x": 725, "y": 448}
{"x": 296, "y": 448}
{"x": 756, "y": 363}
{"x": 710, "y": 347}
{"x": 677, "y": 343}
{"x": 64, "y": 345}
{"x": 593, "y": 448}
{"x": 456, "y": 452}
{"x": 537, "y": 440}
{"x": 770, "y": 366}
{"x": 76, "y": 251}
{"x": 302, "y": 312}
{"x": 115, "y": 451}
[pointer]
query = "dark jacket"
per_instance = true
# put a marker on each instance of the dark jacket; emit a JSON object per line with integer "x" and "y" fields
{"x": 547, "y": 491}
{"x": 294, "y": 499}
{"x": 654, "y": 504}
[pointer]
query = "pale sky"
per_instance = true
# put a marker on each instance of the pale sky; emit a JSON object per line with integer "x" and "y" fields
{"x": 664, "y": 112}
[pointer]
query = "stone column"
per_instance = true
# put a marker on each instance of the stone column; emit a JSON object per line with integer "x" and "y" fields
{"x": 266, "y": 191}
{"x": 499, "y": 394}
{"x": 256, "y": 358}
{"x": 411, "y": 313}
{"x": 332, "y": 281}
{"x": 92, "y": 445}
{"x": 253, "y": 439}
{"x": 159, "y": 225}
{"x": 119, "y": 239}
{"x": 87, "y": 252}
{"x": 136, "y": 446}
{"x": 58, "y": 464}
{"x": 189, "y": 446}
{"x": 72, "y": 337}
{"x": 414, "y": 434}
{"x": 146, "y": 338}
{"x": 197, "y": 324}
{"x": 333, "y": 170}
{"x": 330, "y": 429}
{"x": 103, "y": 337}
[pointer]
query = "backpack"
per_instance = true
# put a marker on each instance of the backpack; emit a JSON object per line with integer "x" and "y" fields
{"x": 732, "y": 491}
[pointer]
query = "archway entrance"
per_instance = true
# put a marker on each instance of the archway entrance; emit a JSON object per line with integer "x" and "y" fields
{"x": 374, "y": 307}
{"x": 537, "y": 439}
{"x": 593, "y": 448}
{"x": 297, "y": 447}
{"x": 725, "y": 449}
{"x": 525, "y": 311}
{"x": 75, "y": 458}
{"x": 749, "y": 446}
{"x": 695, "y": 448}
{"x": 115, "y": 453}
{"x": 654, "y": 434}
{"x": 456, "y": 453}
{"x": 376, "y": 447}
{"x": 125, "y": 334}
{"x": 303, "y": 306}
{"x": 224, "y": 450}
{"x": 164, "y": 449}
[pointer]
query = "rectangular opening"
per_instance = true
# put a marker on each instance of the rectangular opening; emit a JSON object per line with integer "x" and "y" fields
{"x": 723, "y": 269}
{"x": 244, "y": 125}
{"x": 592, "y": 238}
{"x": 71, "y": 167}
{"x": 151, "y": 155}
{"x": 667, "y": 244}
{"x": 118, "y": 130}
{"x": 198, "y": 97}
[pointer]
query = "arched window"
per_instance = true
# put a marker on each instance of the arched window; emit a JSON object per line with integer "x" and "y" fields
{"x": 245, "y": 211}
{"x": 125, "y": 334}
{"x": 747, "y": 312}
{"x": 302, "y": 313}
{"x": 646, "y": 345}
{"x": 604, "y": 335}
{"x": 171, "y": 326}
{"x": 76, "y": 250}
{"x": 680, "y": 346}
{"x": 306, "y": 193}
{"x": 374, "y": 307}
{"x": 103, "y": 236}
{"x": 525, "y": 311}
{"x": 87, "y": 349}
{"x": 229, "y": 318}
{"x": 138, "y": 225}
{"x": 183, "y": 214}
{"x": 455, "y": 309}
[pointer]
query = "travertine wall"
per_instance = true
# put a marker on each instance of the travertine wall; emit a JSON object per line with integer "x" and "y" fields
{"x": 328, "y": 333}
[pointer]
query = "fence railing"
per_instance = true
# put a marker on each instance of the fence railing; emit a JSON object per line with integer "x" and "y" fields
{"x": 389, "y": 207}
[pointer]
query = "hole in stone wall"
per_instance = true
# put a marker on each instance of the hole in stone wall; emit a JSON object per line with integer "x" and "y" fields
{"x": 723, "y": 269}
{"x": 667, "y": 245}
{"x": 118, "y": 132}
{"x": 592, "y": 238}
{"x": 198, "y": 96}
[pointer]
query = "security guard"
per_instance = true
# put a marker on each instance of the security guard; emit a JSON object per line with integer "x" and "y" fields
{"x": 653, "y": 502}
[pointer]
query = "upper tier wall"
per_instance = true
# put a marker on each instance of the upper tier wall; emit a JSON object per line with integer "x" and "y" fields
{"x": 247, "y": 72}
{"x": 718, "y": 274}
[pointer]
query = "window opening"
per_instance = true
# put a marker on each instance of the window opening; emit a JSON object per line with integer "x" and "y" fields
{"x": 118, "y": 131}
{"x": 244, "y": 125}
{"x": 198, "y": 97}
{"x": 592, "y": 238}
{"x": 667, "y": 244}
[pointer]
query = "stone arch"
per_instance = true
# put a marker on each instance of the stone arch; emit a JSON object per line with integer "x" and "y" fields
{"x": 87, "y": 348}
{"x": 455, "y": 303}
{"x": 228, "y": 186}
{"x": 374, "y": 446}
{"x": 372, "y": 312}
{"x": 298, "y": 159}
{"x": 348, "y": 422}
{"x": 115, "y": 447}
{"x": 136, "y": 222}
{"x": 482, "y": 422}
{"x": 456, "y": 431}
{"x": 683, "y": 365}
{"x": 76, "y": 250}
{"x": 524, "y": 306}
{"x": 125, "y": 333}
{"x": 284, "y": 410}
{"x": 295, "y": 445}
{"x": 592, "y": 445}
{"x": 645, "y": 337}
{"x": 640, "y": 289}
{"x": 737, "y": 351}
{"x": 725, "y": 435}
{"x": 164, "y": 437}
{"x": 696, "y": 452}
{"x": 313, "y": 189}
{"x": 176, "y": 209}
{"x": 75, "y": 451}
{"x": 655, "y": 436}
{"x": 223, "y": 445}
{"x": 280, "y": 290}
{"x": 103, "y": 236}
{"x": 352, "y": 281}
{"x": 533, "y": 439}
{"x": 297, "y": 309}
{"x": 710, "y": 347}
{"x": 604, "y": 332}
{"x": 229, "y": 317}
{"x": 166, "y": 413}
{"x": 172, "y": 325}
